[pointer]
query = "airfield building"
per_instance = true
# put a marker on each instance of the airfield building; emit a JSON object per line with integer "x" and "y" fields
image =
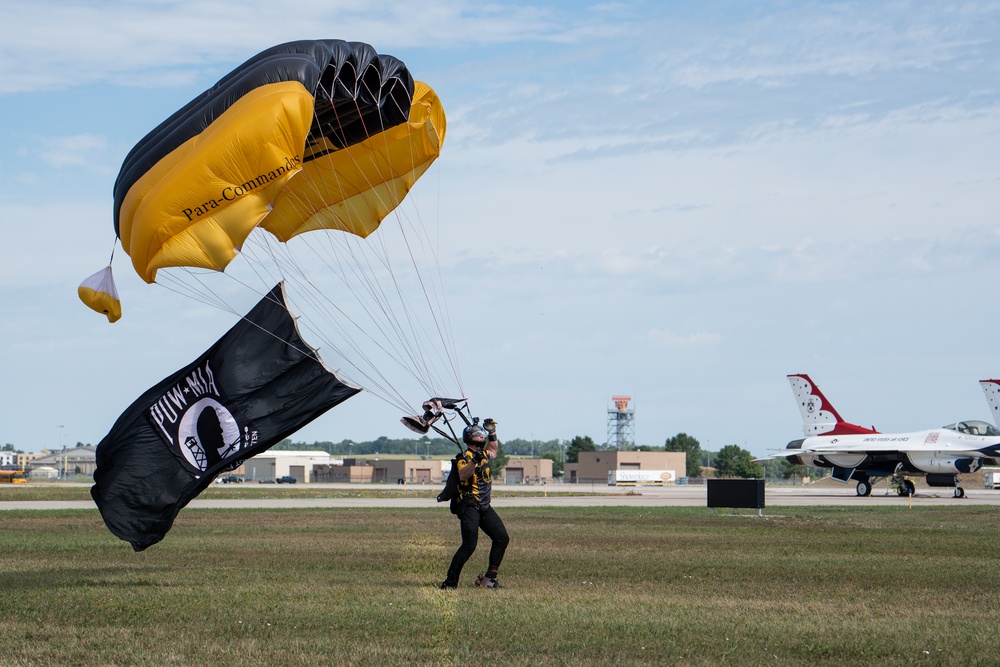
{"x": 527, "y": 471}
{"x": 273, "y": 464}
{"x": 399, "y": 471}
{"x": 80, "y": 460}
{"x": 593, "y": 467}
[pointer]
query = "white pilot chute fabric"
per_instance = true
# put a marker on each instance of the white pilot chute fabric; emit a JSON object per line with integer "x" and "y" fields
{"x": 99, "y": 293}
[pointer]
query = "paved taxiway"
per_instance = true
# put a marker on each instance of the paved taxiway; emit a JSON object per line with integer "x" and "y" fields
{"x": 676, "y": 496}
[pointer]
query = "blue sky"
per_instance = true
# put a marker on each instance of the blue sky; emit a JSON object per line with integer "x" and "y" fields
{"x": 683, "y": 202}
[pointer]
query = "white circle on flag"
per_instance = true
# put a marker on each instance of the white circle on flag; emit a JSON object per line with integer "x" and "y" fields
{"x": 188, "y": 428}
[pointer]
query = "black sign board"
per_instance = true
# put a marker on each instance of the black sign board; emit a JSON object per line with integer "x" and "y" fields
{"x": 737, "y": 493}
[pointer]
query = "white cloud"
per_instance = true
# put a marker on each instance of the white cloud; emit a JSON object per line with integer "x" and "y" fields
{"x": 617, "y": 262}
{"x": 668, "y": 338}
{"x": 118, "y": 41}
{"x": 74, "y": 151}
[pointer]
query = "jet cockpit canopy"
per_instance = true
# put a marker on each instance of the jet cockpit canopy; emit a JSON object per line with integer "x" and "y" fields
{"x": 973, "y": 427}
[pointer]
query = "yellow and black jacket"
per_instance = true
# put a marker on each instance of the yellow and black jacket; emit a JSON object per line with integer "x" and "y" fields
{"x": 475, "y": 489}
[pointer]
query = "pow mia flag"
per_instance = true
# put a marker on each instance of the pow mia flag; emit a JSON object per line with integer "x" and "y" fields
{"x": 256, "y": 386}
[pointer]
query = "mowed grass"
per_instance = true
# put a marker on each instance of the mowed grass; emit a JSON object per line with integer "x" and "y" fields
{"x": 622, "y": 586}
{"x": 59, "y": 492}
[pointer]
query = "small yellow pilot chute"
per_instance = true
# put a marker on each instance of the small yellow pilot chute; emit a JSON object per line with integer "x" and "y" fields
{"x": 99, "y": 293}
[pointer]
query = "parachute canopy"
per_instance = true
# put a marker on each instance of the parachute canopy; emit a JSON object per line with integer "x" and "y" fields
{"x": 307, "y": 135}
{"x": 323, "y": 136}
{"x": 99, "y": 293}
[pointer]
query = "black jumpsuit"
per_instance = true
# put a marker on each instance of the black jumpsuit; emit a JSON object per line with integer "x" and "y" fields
{"x": 475, "y": 514}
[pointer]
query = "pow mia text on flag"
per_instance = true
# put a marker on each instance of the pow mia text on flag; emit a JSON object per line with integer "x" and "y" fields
{"x": 167, "y": 411}
{"x": 199, "y": 426}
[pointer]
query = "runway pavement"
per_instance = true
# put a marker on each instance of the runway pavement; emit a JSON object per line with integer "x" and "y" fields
{"x": 675, "y": 496}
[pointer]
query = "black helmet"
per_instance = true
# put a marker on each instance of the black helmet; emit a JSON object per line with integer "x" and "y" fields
{"x": 474, "y": 435}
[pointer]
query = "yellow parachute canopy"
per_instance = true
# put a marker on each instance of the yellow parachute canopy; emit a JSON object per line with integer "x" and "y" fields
{"x": 319, "y": 135}
{"x": 354, "y": 189}
{"x": 99, "y": 293}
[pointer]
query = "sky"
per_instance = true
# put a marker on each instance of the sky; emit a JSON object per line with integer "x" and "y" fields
{"x": 683, "y": 202}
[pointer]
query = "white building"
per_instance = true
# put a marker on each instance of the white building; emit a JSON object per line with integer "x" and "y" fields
{"x": 43, "y": 472}
{"x": 273, "y": 464}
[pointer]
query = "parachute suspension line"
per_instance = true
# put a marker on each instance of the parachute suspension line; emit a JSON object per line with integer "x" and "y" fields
{"x": 388, "y": 327}
{"x": 211, "y": 298}
{"x": 434, "y": 249}
{"x": 377, "y": 300}
{"x": 326, "y": 306}
{"x": 446, "y": 334}
{"x": 423, "y": 357}
{"x": 336, "y": 265}
{"x": 444, "y": 331}
{"x": 169, "y": 280}
{"x": 378, "y": 384}
{"x": 445, "y": 343}
{"x": 266, "y": 277}
{"x": 204, "y": 294}
{"x": 420, "y": 357}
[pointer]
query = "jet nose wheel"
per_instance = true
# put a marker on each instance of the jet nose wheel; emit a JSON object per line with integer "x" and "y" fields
{"x": 959, "y": 492}
{"x": 864, "y": 488}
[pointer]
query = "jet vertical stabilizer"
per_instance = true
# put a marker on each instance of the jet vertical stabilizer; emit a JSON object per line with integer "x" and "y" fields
{"x": 992, "y": 390}
{"x": 819, "y": 417}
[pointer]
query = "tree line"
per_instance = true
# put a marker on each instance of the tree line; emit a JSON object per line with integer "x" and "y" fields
{"x": 730, "y": 461}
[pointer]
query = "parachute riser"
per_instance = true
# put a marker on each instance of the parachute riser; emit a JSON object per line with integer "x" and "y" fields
{"x": 454, "y": 436}
{"x": 465, "y": 418}
{"x": 451, "y": 436}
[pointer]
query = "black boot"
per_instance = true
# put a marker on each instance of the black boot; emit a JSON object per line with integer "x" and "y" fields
{"x": 450, "y": 581}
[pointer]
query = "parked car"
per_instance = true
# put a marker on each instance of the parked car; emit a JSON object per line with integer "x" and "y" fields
{"x": 265, "y": 480}
{"x": 232, "y": 479}
{"x": 287, "y": 479}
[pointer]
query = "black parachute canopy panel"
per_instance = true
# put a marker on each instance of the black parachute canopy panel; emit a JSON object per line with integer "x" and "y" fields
{"x": 256, "y": 386}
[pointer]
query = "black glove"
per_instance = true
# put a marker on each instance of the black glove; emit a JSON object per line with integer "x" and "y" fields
{"x": 490, "y": 426}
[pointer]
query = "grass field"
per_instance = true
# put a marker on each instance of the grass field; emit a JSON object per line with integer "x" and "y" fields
{"x": 623, "y": 586}
{"x": 63, "y": 492}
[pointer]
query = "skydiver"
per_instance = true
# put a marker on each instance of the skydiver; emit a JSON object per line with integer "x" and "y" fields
{"x": 475, "y": 512}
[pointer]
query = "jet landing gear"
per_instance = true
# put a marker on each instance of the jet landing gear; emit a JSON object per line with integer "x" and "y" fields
{"x": 904, "y": 487}
{"x": 946, "y": 480}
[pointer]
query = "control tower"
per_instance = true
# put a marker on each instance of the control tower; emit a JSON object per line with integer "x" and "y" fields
{"x": 621, "y": 424}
